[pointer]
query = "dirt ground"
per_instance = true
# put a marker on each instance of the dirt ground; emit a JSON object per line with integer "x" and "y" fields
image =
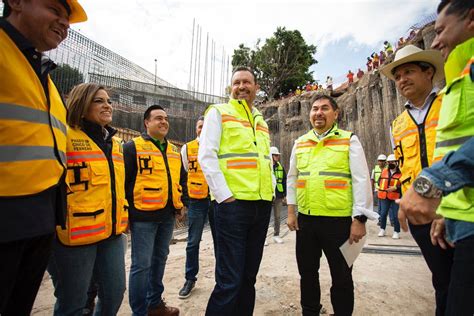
{"x": 385, "y": 284}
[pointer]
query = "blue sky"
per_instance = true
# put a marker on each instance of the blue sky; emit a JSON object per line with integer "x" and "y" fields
{"x": 345, "y": 31}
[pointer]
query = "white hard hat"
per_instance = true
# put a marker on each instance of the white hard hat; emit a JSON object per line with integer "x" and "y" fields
{"x": 391, "y": 157}
{"x": 382, "y": 157}
{"x": 274, "y": 151}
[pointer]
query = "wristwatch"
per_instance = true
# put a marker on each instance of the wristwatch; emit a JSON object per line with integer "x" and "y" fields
{"x": 424, "y": 187}
{"x": 361, "y": 218}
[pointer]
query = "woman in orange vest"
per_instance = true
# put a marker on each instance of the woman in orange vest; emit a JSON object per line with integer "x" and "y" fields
{"x": 390, "y": 189}
{"x": 97, "y": 212}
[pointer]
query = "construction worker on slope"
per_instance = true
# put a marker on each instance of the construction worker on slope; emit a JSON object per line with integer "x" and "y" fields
{"x": 374, "y": 178}
{"x": 280, "y": 193}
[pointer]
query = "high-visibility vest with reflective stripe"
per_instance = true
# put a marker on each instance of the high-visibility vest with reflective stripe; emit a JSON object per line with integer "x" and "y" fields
{"x": 324, "y": 183}
{"x": 414, "y": 145}
{"x": 279, "y": 173}
{"x": 197, "y": 185}
{"x": 377, "y": 172}
{"x": 151, "y": 189}
{"x": 244, "y": 151}
{"x": 456, "y": 126}
{"x": 96, "y": 204}
{"x": 389, "y": 181}
{"x": 32, "y": 128}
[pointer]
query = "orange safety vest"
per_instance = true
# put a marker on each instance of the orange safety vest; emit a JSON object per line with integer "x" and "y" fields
{"x": 94, "y": 211}
{"x": 414, "y": 145}
{"x": 151, "y": 189}
{"x": 197, "y": 185}
{"x": 388, "y": 181}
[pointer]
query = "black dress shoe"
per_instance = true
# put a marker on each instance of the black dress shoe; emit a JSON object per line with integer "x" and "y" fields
{"x": 185, "y": 292}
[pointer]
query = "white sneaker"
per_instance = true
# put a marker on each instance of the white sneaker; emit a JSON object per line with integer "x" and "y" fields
{"x": 277, "y": 239}
{"x": 396, "y": 235}
{"x": 381, "y": 233}
{"x": 266, "y": 243}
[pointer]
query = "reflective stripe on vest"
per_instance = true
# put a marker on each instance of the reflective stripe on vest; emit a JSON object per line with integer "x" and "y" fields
{"x": 244, "y": 151}
{"x": 408, "y": 149}
{"x": 388, "y": 181}
{"x": 151, "y": 190}
{"x": 324, "y": 185}
{"x": 94, "y": 213}
{"x": 197, "y": 185}
{"x": 33, "y": 128}
{"x": 456, "y": 126}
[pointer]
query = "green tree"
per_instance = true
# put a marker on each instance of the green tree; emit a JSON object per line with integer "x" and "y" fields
{"x": 65, "y": 78}
{"x": 281, "y": 63}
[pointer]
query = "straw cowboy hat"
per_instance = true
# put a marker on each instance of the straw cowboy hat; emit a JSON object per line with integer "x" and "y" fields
{"x": 411, "y": 53}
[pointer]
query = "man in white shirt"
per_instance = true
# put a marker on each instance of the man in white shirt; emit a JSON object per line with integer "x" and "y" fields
{"x": 234, "y": 154}
{"x": 329, "y": 181}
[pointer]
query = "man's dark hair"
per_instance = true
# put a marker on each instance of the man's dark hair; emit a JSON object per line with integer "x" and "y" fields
{"x": 459, "y": 7}
{"x": 245, "y": 68}
{"x": 422, "y": 64}
{"x": 326, "y": 97}
{"x": 147, "y": 113}
{"x": 201, "y": 118}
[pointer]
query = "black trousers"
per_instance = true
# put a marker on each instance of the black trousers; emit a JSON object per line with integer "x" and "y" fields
{"x": 461, "y": 286}
{"x": 22, "y": 267}
{"x": 439, "y": 262}
{"x": 315, "y": 235}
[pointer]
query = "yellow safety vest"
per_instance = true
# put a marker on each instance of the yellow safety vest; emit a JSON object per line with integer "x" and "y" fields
{"x": 197, "y": 185}
{"x": 414, "y": 145}
{"x": 33, "y": 128}
{"x": 244, "y": 152}
{"x": 377, "y": 173}
{"x": 456, "y": 126}
{"x": 324, "y": 183}
{"x": 94, "y": 211}
{"x": 151, "y": 189}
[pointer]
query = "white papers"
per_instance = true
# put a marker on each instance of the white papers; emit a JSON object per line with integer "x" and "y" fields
{"x": 351, "y": 252}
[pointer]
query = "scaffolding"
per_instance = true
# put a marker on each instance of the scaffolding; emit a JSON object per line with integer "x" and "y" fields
{"x": 131, "y": 87}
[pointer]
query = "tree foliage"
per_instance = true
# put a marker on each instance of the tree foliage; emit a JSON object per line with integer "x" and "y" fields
{"x": 65, "y": 78}
{"x": 281, "y": 63}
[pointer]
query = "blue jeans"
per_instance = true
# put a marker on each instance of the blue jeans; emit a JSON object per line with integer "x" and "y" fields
{"x": 150, "y": 248}
{"x": 240, "y": 229}
{"x": 197, "y": 216}
{"x": 71, "y": 270}
{"x": 390, "y": 207}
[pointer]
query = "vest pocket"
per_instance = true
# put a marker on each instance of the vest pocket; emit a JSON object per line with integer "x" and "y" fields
{"x": 99, "y": 174}
{"x": 152, "y": 199}
{"x": 337, "y": 194}
{"x": 86, "y": 224}
{"x": 409, "y": 146}
{"x": 78, "y": 177}
{"x": 454, "y": 112}
{"x": 122, "y": 215}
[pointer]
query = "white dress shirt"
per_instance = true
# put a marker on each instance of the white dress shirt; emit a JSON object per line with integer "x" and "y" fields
{"x": 362, "y": 203}
{"x": 209, "y": 144}
{"x": 184, "y": 155}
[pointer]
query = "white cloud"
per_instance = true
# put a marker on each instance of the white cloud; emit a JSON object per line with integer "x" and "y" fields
{"x": 142, "y": 30}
